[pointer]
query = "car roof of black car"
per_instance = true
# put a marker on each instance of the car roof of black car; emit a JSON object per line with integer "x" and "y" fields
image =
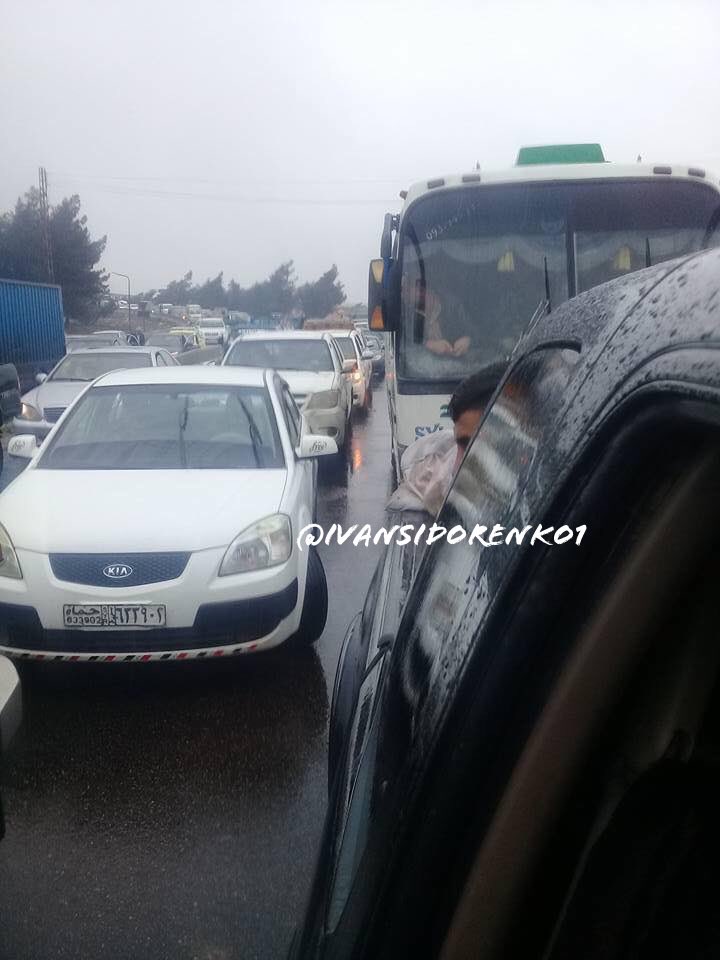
{"x": 657, "y": 329}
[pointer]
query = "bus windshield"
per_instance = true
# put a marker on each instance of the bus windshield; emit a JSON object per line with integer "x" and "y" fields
{"x": 477, "y": 262}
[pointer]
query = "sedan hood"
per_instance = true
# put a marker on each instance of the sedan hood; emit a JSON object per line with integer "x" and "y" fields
{"x": 97, "y": 511}
{"x": 54, "y": 394}
{"x": 302, "y": 382}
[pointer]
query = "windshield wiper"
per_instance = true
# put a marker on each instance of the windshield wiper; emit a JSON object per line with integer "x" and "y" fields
{"x": 254, "y": 432}
{"x": 181, "y": 434}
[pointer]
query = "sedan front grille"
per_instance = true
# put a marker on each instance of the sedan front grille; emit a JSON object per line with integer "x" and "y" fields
{"x": 118, "y": 569}
{"x": 53, "y": 414}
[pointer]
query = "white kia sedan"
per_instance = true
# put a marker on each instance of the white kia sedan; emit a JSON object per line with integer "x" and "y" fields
{"x": 359, "y": 358}
{"x": 43, "y": 406}
{"x": 158, "y": 521}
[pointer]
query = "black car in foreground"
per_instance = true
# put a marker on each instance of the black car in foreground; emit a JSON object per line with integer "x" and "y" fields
{"x": 525, "y": 743}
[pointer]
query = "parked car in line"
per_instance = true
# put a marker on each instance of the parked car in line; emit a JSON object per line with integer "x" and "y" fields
{"x": 211, "y": 330}
{"x": 190, "y": 334}
{"x": 524, "y": 737}
{"x": 174, "y": 343}
{"x": 353, "y": 348}
{"x": 43, "y": 406}
{"x": 9, "y": 392}
{"x": 313, "y": 367}
{"x": 148, "y": 579}
{"x": 75, "y": 341}
{"x": 123, "y": 337}
{"x": 10, "y": 404}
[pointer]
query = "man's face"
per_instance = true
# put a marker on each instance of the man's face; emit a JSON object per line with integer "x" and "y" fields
{"x": 464, "y": 428}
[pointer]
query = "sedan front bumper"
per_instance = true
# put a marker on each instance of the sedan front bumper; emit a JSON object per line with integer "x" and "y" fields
{"x": 206, "y": 615}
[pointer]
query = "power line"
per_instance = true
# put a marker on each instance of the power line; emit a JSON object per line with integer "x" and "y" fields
{"x": 243, "y": 181}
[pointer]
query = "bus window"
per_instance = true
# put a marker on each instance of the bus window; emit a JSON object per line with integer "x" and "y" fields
{"x": 477, "y": 262}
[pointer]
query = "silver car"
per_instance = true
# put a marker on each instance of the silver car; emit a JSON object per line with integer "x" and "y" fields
{"x": 43, "y": 406}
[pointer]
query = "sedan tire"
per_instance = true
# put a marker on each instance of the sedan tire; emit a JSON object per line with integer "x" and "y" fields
{"x": 315, "y": 603}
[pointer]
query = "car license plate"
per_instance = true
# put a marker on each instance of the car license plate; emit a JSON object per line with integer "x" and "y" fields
{"x": 114, "y": 615}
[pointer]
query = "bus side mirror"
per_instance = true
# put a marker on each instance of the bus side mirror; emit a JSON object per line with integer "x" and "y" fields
{"x": 378, "y": 318}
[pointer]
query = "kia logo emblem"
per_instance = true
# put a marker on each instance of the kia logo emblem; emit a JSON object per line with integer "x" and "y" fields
{"x": 117, "y": 571}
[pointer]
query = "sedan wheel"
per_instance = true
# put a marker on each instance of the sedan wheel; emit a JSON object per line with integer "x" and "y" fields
{"x": 315, "y": 603}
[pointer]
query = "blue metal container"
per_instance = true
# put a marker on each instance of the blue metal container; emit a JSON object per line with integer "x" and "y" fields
{"x": 32, "y": 327}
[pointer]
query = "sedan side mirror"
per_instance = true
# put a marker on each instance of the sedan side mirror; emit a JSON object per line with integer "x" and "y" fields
{"x": 40, "y": 378}
{"x": 23, "y": 446}
{"x": 349, "y": 366}
{"x": 367, "y": 354}
{"x": 315, "y": 445}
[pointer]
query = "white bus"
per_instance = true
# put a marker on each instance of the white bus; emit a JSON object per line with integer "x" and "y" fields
{"x": 471, "y": 258}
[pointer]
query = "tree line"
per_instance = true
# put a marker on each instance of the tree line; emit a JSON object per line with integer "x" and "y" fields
{"x": 75, "y": 257}
{"x": 279, "y": 293}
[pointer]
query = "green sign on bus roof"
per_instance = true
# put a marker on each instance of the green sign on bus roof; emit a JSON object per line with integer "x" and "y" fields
{"x": 560, "y": 153}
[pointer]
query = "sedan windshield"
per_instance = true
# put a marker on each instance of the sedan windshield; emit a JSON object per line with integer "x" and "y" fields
{"x": 290, "y": 354}
{"x": 85, "y": 367}
{"x": 167, "y": 427}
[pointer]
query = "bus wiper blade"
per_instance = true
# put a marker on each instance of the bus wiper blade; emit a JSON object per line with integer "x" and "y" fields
{"x": 648, "y": 261}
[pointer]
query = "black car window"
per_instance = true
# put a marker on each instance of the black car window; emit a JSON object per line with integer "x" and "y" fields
{"x": 433, "y": 639}
{"x": 456, "y": 582}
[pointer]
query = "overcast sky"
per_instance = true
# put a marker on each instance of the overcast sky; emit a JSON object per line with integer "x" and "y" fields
{"x": 232, "y": 135}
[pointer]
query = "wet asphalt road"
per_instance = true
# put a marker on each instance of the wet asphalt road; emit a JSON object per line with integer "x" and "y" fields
{"x": 174, "y": 810}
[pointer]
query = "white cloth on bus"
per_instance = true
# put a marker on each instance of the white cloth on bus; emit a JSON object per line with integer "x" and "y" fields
{"x": 427, "y": 469}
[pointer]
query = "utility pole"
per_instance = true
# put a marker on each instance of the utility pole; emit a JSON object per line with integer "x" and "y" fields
{"x": 113, "y": 273}
{"x": 45, "y": 225}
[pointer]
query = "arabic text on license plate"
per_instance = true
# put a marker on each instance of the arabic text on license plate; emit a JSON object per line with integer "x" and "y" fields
{"x": 114, "y": 615}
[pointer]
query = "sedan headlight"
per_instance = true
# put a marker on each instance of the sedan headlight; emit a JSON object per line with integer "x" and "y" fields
{"x": 9, "y": 565}
{"x": 266, "y": 543}
{"x": 323, "y": 400}
{"x": 29, "y": 412}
